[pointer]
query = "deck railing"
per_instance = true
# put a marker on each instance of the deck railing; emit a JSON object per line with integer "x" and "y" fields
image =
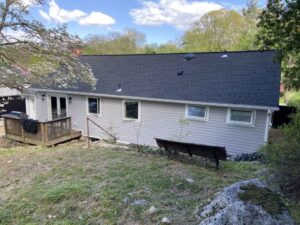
{"x": 48, "y": 133}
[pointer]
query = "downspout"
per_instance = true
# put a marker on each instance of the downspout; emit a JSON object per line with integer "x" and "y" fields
{"x": 267, "y": 129}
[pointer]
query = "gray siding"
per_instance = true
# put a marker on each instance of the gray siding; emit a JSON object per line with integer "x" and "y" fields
{"x": 41, "y": 107}
{"x": 162, "y": 120}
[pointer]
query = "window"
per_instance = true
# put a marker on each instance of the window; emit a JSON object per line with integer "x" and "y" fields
{"x": 131, "y": 110}
{"x": 94, "y": 105}
{"x": 196, "y": 112}
{"x": 237, "y": 116}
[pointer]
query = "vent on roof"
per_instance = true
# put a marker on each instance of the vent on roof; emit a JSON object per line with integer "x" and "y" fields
{"x": 119, "y": 89}
{"x": 224, "y": 55}
{"x": 189, "y": 56}
{"x": 180, "y": 73}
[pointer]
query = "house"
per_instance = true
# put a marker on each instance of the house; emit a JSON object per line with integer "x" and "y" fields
{"x": 219, "y": 99}
{"x": 11, "y": 100}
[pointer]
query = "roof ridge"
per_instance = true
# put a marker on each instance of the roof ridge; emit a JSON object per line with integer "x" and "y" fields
{"x": 181, "y": 53}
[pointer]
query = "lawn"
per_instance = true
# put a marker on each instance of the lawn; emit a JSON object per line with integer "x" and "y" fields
{"x": 70, "y": 184}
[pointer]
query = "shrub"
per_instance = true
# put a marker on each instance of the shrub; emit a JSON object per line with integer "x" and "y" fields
{"x": 250, "y": 157}
{"x": 283, "y": 157}
{"x": 294, "y": 100}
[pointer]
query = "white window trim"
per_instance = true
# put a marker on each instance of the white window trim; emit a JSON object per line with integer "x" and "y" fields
{"x": 205, "y": 118}
{"x": 99, "y": 105}
{"x": 124, "y": 112}
{"x": 230, "y": 122}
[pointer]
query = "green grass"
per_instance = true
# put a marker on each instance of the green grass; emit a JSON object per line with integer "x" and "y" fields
{"x": 73, "y": 185}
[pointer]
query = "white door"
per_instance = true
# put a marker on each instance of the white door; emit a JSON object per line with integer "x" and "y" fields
{"x": 30, "y": 107}
{"x": 58, "y": 107}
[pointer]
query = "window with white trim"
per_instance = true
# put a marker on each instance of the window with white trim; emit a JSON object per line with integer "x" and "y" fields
{"x": 94, "y": 105}
{"x": 196, "y": 112}
{"x": 240, "y": 116}
{"x": 131, "y": 110}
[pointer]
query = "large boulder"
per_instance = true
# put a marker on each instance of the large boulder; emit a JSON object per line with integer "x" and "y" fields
{"x": 228, "y": 209}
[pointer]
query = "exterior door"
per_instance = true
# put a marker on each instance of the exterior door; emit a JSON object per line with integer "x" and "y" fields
{"x": 58, "y": 107}
{"x": 30, "y": 108}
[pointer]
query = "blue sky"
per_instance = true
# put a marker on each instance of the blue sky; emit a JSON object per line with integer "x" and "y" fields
{"x": 160, "y": 20}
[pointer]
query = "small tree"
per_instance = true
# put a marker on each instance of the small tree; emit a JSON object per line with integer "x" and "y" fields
{"x": 221, "y": 30}
{"x": 279, "y": 29}
{"x": 29, "y": 52}
{"x": 284, "y": 156}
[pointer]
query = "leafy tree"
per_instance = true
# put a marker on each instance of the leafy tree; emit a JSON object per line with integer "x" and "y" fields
{"x": 169, "y": 47}
{"x": 251, "y": 15}
{"x": 128, "y": 42}
{"x": 252, "y": 11}
{"x": 280, "y": 29}
{"x": 29, "y": 51}
{"x": 283, "y": 156}
{"x": 216, "y": 31}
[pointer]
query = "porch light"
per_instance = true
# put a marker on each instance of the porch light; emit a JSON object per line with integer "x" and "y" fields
{"x": 70, "y": 100}
{"x": 43, "y": 97}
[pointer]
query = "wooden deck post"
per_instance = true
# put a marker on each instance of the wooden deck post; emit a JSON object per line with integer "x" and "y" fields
{"x": 5, "y": 127}
{"x": 43, "y": 133}
{"x": 46, "y": 134}
{"x": 88, "y": 132}
{"x": 23, "y": 136}
{"x": 70, "y": 126}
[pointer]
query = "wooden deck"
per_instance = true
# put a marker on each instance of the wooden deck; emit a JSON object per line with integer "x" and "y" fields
{"x": 48, "y": 133}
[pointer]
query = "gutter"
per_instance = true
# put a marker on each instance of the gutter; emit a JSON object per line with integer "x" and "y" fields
{"x": 157, "y": 99}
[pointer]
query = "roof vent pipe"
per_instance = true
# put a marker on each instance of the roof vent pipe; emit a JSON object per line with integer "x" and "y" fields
{"x": 189, "y": 56}
{"x": 119, "y": 89}
{"x": 180, "y": 73}
{"x": 224, "y": 55}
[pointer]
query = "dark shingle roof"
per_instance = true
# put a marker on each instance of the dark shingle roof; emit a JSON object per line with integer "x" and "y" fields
{"x": 246, "y": 78}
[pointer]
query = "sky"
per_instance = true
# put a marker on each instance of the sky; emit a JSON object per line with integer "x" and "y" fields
{"x": 159, "y": 20}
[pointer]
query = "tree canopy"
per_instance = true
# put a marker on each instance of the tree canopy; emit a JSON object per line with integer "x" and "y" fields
{"x": 279, "y": 28}
{"x": 223, "y": 30}
{"x": 29, "y": 52}
{"x": 128, "y": 42}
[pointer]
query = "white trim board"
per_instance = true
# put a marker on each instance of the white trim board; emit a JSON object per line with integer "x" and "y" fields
{"x": 236, "y": 123}
{"x": 205, "y": 118}
{"x": 159, "y": 100}
{"x": 124, "y": 112}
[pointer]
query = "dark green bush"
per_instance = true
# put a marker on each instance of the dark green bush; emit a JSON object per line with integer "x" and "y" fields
{"x": 283, "y": 157}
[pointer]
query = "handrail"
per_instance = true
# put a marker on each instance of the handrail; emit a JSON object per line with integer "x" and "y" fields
{"x": 97, "y": 125}
{"x": 56, "y": 120}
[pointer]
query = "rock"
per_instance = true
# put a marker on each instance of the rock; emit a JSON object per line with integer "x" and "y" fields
{"x": 140, "y": 202}
{"x": 51, "y": 217}
{"x": 165, "y": 220}
{"x": 152, "y": 210}
{"x": 273, "y": 183}
{"x": 189, "y": 180}
{"x": 227, "y": 208}
{"x": 125, "y": 200}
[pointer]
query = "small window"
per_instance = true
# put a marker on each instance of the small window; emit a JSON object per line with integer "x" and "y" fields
{"x": 94, "y": 105}
{"x": 197, "y": 112}
{"x": 241, "y": 116}
{"x": 131, "y": 110}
